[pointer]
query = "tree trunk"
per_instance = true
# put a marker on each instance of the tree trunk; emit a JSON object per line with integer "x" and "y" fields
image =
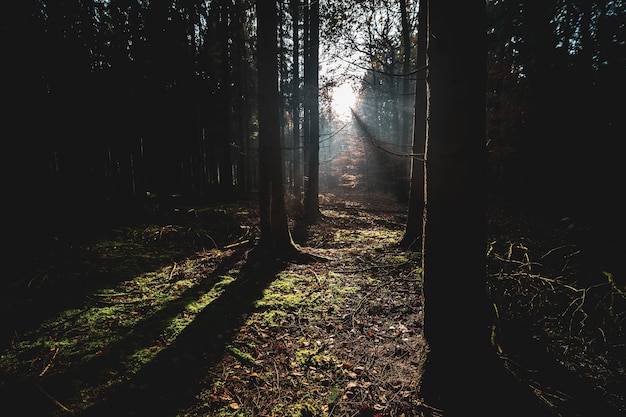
{"x": 413, "y": 228}
{"x": 225, "y": 155}
{"x": 311, "y": 198}
{"x": 462, "y": 371}
{"x": 295, "y": 103}
{"x": 402, "y": 181}
{"x": 456, "y": 307}
{"x": 275, "y": 234}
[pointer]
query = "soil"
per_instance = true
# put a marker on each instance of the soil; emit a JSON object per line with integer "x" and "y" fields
{"x": 208, "y": 332}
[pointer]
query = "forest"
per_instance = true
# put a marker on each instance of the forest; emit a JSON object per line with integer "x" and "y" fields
{"x": 313, "y": 208}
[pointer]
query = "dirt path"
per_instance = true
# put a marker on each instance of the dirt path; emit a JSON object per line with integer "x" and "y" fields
{"x": 338, "y": 338}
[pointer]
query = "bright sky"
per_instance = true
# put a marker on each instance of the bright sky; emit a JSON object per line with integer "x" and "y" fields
{"x": 343, "y": 98}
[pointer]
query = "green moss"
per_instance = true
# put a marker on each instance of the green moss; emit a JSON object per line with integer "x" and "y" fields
{"x": 242, "y": 356}
{"x": 313, "y": 357}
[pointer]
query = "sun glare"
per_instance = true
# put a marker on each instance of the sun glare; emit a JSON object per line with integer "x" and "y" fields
{"x": 344, "y": 97}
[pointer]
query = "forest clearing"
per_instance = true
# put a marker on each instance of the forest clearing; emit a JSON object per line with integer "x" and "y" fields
{"x": 168, "y": 317}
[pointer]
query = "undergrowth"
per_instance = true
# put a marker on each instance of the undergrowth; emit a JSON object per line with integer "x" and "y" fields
{"x": 542, "y": 309}
{"x": 166, "y": 315}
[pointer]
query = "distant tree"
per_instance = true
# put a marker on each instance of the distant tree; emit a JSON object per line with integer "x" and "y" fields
{"x": 386, "y": 51}
{"x": 311, "y": 75}
{"x": 295, "y": 100}
{"x": 413, "y": 229}
{"x": 275, "y": 235}
{"x": 402, "y": 180}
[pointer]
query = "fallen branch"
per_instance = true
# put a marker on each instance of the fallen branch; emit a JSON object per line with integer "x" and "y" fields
{"x": 45, "y": 369}
{"x": 51, "y": 398}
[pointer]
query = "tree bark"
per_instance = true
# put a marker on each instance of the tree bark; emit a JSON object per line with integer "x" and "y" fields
{"x": 462, "y": 370}
{"x": 456, "y": 307}
{"x": 275, "y": 234}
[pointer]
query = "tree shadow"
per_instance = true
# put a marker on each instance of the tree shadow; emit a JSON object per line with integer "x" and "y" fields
{"x": 170, "y": 382}
{"x": 54, "y": 271}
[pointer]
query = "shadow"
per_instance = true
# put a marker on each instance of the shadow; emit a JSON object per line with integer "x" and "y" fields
{"x": 44, "y": 394}
{"x": 488, "y": 389}
{"x": 571, "y": 393}
{"x": 54, "y": 272}
{"x": 170, "y": 382}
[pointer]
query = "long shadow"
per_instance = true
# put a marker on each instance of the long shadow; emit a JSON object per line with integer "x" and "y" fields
{"x": 39, "y": 395}
{"x": 170, "y": 382}
{"x": 51, "y": 274}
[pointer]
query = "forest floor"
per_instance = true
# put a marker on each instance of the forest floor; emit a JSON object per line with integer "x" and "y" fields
{"x": 167, "y": 317}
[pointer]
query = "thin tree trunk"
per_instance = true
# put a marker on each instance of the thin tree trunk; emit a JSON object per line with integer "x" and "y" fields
{"x": 311, "y": 198}
{"x": 413, "y": 229}
{"x": 405, "y": 117}
{"x": 306, "y": 123}
{"x": 225, "y": 159}
{"x": 297, "y": 174}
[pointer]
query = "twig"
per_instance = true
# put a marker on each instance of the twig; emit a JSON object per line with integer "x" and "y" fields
{"x": 45, "y": 369}
{"x": 277, "y": 375}
{"x": 212, "y": 240}
{"x": 561, "y": 247}
{"x": 315, "y": 275}
{"x": 51, "y": 398}
{"x": 172, "y": 271}
{"x": 232, "y": 245}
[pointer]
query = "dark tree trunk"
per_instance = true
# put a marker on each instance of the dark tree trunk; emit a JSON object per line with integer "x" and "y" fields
{"x": 462, "y": 369}
{"x": 311, "y": 198}
{"x": 275, "y": 234}
{"x": 456, "y": 307}
{"x": 295, "y": 101}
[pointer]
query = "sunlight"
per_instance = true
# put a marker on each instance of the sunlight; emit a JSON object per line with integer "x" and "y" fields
{"x": 344, "y": 97}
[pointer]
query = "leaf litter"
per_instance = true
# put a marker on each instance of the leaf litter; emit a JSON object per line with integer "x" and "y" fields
{"x": 338, "y": 338}
{"x": 335, "y": 338}
{"x": 162, "y": 318}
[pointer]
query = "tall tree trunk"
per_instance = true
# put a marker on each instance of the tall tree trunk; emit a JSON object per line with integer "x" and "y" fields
{"x": 413, "y": 228}
{"x": 240, "y": 102}
{"x": 225, "y": 158}
{"x": 462, "y": 368}
{"x": 405, "y": 116}
{"x": 311, "y": 198}
{"x": 295, "y": 101}
{"x": 456, "y": 307}
{"x": 306, "y": 123}
{"x": 275, "y": 234}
